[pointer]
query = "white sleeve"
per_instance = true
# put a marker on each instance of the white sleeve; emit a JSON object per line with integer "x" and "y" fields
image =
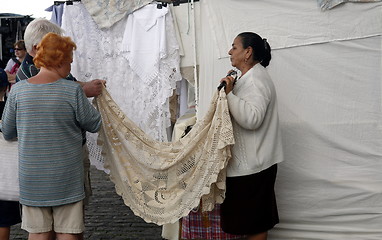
{"x": 249, "y": 110}
{"x": 9, "y": 65}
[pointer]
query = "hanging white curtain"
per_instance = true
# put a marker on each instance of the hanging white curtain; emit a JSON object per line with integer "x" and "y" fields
{"x": 290, "y": 24}
{"x": 330, "y": 98}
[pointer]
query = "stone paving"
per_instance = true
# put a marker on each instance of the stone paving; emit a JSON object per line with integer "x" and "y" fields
{"x": 106, "y": 217}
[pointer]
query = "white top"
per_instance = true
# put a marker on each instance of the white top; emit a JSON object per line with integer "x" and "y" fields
{"x": 253, "y": 108}
{"x": 10, "y": 65}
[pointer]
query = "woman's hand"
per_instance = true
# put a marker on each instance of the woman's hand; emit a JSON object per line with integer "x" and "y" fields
{"x": 93, "y": 88}
{"x": 230, "y": 80}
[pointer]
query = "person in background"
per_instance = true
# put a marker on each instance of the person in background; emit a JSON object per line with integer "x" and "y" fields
{"x": 47, "y": 114}
{"x": 9, "y": 210}
{"x": 3, "y": 87}
{"x": 15, "y": 62}
{"x": 2, "y": 64}
{"x": 250, "y": 204}
{"x": 9, "y": 216}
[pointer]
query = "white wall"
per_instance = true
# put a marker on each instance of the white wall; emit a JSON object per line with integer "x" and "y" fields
{"x": 327, "y": 68}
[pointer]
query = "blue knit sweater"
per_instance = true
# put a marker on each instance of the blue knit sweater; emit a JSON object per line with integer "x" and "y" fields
{"x": 47, "y": 119}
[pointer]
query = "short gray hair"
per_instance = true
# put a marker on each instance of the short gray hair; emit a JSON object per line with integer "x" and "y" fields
{"x": 37, "y": 29}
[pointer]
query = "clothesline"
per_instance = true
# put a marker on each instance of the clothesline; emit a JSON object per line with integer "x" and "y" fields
{"x": 68, "y": 2}
{"x": 163, "y": 2}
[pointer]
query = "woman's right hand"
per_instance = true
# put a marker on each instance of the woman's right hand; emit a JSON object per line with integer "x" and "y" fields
{"x": 230, "y": 81}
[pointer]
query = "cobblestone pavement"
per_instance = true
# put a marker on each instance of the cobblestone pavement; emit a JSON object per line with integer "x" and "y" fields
{"x": 106, "y": 216}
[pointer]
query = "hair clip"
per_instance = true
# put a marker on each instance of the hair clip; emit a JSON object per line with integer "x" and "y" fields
{"x": 265, "y": 43}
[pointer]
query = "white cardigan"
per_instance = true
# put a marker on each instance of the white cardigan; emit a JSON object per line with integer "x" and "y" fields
{"x": 253, "y": 108}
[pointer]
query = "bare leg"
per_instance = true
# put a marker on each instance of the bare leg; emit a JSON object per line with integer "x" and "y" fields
{"x": 39, "y": 236}
{"x": 4, "y": 233}
{"x": 67, "y": 236}
{"x": 259, "y": 236}
{"x": 52, "y": 235}
{"x": 81, "y": 236}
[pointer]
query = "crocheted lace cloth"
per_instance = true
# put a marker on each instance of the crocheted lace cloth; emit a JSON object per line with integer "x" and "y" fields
{"x": 163, "y": 181}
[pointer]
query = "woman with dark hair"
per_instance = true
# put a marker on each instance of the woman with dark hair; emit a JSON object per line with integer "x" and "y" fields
{"x": 15, "y": 62}
{"x": 250, "y": 204}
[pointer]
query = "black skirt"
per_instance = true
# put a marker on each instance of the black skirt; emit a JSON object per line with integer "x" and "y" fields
{"x": 9, "y": 213}
{"x": 250, "y": 204}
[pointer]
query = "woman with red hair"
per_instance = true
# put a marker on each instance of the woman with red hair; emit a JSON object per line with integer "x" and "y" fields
{"x": 46, "y": 113}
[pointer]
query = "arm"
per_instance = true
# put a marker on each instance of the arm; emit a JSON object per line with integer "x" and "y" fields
{"x": 87, "y": 116}
{"x": 8, "y": 126}
{"x": 249, "y": 110}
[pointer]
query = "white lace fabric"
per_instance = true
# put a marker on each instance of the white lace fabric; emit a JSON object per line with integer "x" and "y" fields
{"x": 162, "y": 182}
{"x": 99, "y": 55}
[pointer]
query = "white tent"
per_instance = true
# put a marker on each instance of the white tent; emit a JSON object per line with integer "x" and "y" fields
{"x": 327, "y": 68}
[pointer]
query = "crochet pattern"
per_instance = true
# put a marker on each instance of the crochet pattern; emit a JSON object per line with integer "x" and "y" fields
{"x": 163, "y": 181}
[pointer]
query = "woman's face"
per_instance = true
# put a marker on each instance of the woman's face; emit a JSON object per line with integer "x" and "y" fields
{"x": 237, "y": 53}
{"x": 67, "y": 66}
{"x": 20, "y": 52}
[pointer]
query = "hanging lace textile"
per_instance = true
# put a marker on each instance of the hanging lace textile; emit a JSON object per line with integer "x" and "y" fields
{"x": 163, "y": 181}
{"x": 149, "y": 45}
{"x": 99, "y": 55}
{"x": 107, "y": 13}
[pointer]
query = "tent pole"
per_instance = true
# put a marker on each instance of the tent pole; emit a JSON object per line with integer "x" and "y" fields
{"x": 195, "y": 57}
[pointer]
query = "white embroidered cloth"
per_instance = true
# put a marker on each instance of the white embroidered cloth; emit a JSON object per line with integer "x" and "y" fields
{"x": 107, "y": 13}
{"x": 162, "y": 182}
{"x": 144, "y": 40}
